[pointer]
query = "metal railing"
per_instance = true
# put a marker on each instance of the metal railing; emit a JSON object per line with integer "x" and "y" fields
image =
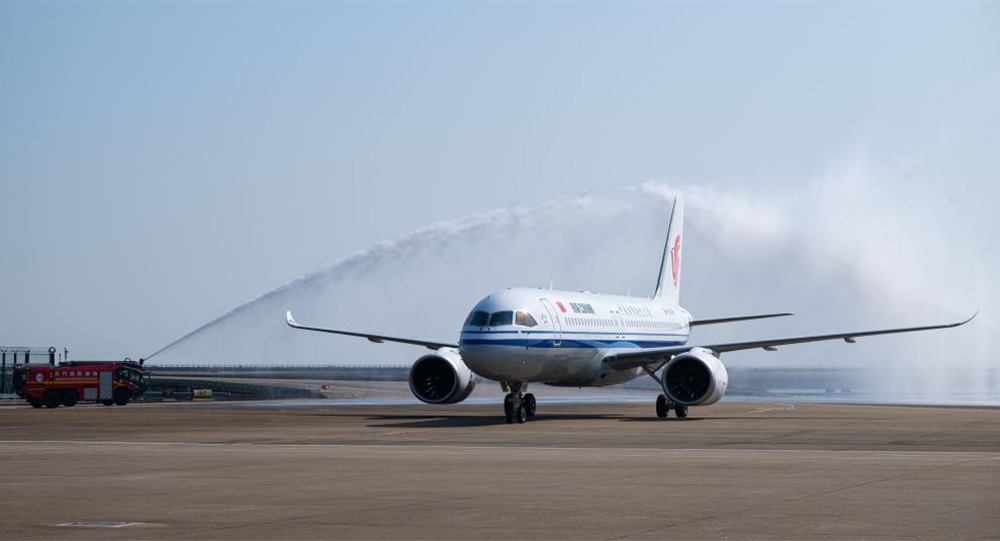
{"x": 11, "y": 356}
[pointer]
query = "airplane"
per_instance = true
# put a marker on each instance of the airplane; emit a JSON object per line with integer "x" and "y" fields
{"x": 521, "y": 336}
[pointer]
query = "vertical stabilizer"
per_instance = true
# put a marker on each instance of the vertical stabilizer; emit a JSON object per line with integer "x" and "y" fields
{"x": 668, "y": 284}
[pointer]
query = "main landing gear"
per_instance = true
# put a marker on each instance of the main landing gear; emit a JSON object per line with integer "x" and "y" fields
{"x": 663, "y": 407}
{"x": 518, "y": 406}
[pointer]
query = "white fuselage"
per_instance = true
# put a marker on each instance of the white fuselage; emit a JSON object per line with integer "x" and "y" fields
{"x": 562, "y": 337}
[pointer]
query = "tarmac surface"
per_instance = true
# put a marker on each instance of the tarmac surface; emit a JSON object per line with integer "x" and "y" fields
{"x": 604, "y": 471}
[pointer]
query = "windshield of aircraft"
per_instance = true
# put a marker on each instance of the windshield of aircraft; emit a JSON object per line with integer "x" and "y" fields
{"x": 501, "y": 318}
{"x": 480, "y": 318}
{"x": 525, "y": 319}
{"x": 477, "y": 319}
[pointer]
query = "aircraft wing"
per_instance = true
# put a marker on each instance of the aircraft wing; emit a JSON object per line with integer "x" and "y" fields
{"x": 633, "y": 359}
{"x": 377, "y": 338}
{"x": 696, "y": 322}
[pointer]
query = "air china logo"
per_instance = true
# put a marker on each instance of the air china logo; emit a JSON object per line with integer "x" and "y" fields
{"x": 675, "y": 259}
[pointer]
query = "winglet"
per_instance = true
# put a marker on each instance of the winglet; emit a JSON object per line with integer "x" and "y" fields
{"x": 289, "y": 319}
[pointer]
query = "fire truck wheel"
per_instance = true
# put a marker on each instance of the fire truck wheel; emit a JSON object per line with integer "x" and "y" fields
{"x": 52, "y": 399}
{"x": 35, "y": 403}
{"x": 107, "y": 402}
{"x": 69, "y": 398}
{"x": 121, "y": 397}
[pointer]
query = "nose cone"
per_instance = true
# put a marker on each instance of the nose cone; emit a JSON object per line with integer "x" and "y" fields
{"x": 494, "y": 340}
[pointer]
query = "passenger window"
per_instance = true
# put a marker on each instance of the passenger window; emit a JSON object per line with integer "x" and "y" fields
{"x": 479, "y": 318}
{"x": 501, "y": 318}
{"x": 525, "y": 319}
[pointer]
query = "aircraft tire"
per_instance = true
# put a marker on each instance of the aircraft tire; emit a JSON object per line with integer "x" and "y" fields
{"x": 521, "y": 414}
{"x": 681, "y": 411}
{"x": 508, "y": 408}
{"x": 530, "y": 405}
{"x": 661, "y": 407}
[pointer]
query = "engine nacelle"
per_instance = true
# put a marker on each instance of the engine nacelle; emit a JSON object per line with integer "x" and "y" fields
{"x": 695, "y": 378}
{"x": 441, "y": 378}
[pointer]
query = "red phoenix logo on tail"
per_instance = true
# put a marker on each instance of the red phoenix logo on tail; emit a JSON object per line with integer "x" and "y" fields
{"x": 675, "y": 260}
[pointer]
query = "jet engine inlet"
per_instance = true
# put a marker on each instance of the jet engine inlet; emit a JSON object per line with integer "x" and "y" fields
{"x": 696, "y": 378}
{"x": 441, "y": 378}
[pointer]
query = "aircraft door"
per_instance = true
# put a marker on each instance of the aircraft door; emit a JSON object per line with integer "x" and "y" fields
{"x": 556, "y": 323}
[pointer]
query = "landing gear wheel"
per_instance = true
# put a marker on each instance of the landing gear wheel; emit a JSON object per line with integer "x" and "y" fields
{"x": 661, "y": 407}
{"x": 681, "y": 411}
{"x": 69, "y": 398}
{"x": 529, "y": 404}
{"x": 52, "y": 399}
{"x": 121, "y": 397}
{"x": 515, "y": 404}
{"x": 508, "y": 408}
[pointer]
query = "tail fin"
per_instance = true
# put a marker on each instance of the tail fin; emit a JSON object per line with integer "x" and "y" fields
{"x": 668, "y": 284}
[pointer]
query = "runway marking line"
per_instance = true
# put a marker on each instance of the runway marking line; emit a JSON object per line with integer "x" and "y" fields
{"x": 780, "y": 407}
{"x": 615, "y": 451}
{"x": 101, "y": 524}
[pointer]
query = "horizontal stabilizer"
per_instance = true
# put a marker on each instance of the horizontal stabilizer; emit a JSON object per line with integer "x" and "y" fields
{"x": 696, "y": 322}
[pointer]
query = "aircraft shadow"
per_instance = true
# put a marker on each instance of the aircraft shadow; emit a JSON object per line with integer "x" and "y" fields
{"x": 460, "y": 421}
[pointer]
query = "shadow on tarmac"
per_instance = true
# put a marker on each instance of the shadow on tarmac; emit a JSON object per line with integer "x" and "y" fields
{"x": 459, "y": 421}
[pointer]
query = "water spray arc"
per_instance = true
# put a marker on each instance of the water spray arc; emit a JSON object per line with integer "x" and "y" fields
{"x": 753, "y": 250}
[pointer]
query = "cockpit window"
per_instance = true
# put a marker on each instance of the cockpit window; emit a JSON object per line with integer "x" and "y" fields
{"x": 525, "y": 319}
{"x": 478, "y": 318}
{"x": 501, "y": 318}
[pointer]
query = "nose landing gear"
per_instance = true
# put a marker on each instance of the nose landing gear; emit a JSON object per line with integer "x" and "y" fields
{"x": 517, "y": 406}
{"x": 529, "y": 404}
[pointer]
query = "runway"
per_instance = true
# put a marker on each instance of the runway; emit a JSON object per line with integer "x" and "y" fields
{"x": 605, "y": 471}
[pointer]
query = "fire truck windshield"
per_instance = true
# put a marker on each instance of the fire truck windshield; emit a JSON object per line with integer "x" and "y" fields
{"x": 130, "y": 375}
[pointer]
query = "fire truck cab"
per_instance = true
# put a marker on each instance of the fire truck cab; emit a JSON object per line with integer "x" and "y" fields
{"x": 70, "y": 382}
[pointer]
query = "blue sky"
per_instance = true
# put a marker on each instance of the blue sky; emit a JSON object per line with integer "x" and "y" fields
{"x": 163, "y": 162}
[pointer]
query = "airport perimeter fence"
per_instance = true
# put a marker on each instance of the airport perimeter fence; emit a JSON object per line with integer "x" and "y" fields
{"x": 756, "y": 380}
{"x": 285, "y": 371}
{"x": 11, "y": 356}
{"x": 742, "y": 379}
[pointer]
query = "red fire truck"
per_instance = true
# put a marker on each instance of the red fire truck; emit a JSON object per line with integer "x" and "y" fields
{"x": 91, "y": 381}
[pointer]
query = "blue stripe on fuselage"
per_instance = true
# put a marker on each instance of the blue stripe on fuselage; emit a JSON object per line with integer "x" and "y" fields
{"x": 604, "y": 333}
{"x": 549, "y": 343}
